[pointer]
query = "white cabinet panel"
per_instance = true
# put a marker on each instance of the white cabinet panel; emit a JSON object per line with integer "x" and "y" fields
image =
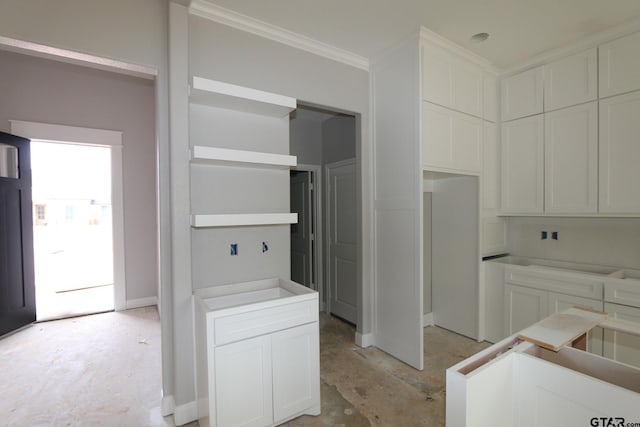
{"x": 490, "y": 98}
{"x": 452, "y": 140}
{"x": 494, "y": 235}
{"x": 571, "y": 159}
{"x": 522, "y": 94}
{"x": 571, "y": 80}
{"x": 452, "y": 82}
{"x": 523, "y": 307}
{"x": 622, "y": 346}
{"x": 490, "y": 167}
{"x": 243, "y": 383}
{"x": 619, "y": 154}
{"x": 494, "y": 301}
{"x": 561, "y": 302}
{"x": 620, "y": 65}
{"x": 296, "y": 370}
{"x": 522, "y": 160}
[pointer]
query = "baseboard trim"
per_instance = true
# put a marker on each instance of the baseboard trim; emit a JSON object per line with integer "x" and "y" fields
{"x": 427, "y": 320}
{"x": 167, "y": 405}
{"x": 140, "y": 302}
{"x": 364, "y": 340}
{"x": 184, "y": 414}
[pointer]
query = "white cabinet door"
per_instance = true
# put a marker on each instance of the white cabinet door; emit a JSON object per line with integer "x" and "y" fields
{"x": 494, "y": 301}
{"x": 243, "y": 383}
{"x": 571, "y": 80}
{"x": 522, "y": 178}
{"x": 521, "y": 94}
{"x": 619, "y": 63}
{"x": 561, "y": 302}
{"x": 452, "y": 82}
{"x": 621, "y": 346}
{"x": 523, "y": 307}
{"x": 296, "y": 371}
{"x": 452, "y": 140}
{"x": 490, "y": 98}
{"x": 571, "y": 159}
{"x": 619, "y": 154}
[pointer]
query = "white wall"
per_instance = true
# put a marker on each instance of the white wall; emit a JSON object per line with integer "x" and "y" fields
{"x": 604, "y": 241}
{"x": 41, "y": 90}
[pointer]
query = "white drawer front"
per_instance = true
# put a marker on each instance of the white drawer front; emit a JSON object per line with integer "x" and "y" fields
{"x": 264, "y": 321}
{"x": 623, "y": 292}
{"x": 561, "y": 282}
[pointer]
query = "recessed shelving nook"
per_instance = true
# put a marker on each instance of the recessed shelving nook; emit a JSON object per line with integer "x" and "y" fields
{"x": 249, "y": 104}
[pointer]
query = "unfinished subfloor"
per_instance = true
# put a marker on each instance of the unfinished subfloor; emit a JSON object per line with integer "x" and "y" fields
{"x": 104, "y": 370}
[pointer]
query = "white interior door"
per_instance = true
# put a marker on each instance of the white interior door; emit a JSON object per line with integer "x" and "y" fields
{"x": 342, "y": 236}
{"x": 302, "y": 232}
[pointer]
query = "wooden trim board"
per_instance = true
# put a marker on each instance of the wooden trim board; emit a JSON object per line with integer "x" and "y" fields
{"x": 561, "y": 329}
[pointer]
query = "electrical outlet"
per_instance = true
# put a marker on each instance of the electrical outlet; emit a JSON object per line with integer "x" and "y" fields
{"x": 234, "y": 249}
{"x": 554, "y": 235}
{"x": 543, "y": 235}
{"x": 265, "y": 247}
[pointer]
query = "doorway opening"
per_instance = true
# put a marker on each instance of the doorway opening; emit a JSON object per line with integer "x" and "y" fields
{"x": 325, "y": 191}
{"x": 73, "y": 229}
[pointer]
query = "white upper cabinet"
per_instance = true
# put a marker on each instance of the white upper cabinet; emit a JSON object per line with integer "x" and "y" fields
{"x": 619, "y": 154}
{"x": 620, "y": 65}
{"x": 522, "y": 94}
{"x": 523, "y": 165}
{"x": 451, "y": 81}
{"x": 571, "y": 159}
{"x": 452, "y": 140}
{"x": 571, "y": 80}
{"x": 490, "y": 98}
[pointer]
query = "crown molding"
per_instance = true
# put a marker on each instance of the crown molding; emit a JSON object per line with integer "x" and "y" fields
{"x": 436, "y": 39}
{"x": 578, "y": 46}
{"x": 207, "y": 10}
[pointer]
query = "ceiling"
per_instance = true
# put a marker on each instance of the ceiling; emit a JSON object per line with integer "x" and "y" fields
{"x": 519, "y": 29}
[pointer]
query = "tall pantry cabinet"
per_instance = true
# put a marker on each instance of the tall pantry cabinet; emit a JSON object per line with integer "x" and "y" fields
{"x": 432, "y": 114}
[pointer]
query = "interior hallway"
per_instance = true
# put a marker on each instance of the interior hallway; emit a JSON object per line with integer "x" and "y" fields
{"x": 104, "y": 370}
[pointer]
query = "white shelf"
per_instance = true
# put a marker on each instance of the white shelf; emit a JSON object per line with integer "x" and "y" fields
{"x": 225, "y": 95}
{"x": 229, "y": 157}
{"x": 236, "y": 220}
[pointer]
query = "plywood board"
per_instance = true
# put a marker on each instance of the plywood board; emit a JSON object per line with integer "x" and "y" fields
{"x": 560, "y": 329}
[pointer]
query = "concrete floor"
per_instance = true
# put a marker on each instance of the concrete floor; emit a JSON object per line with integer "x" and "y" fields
{"x": 105, "y": 370}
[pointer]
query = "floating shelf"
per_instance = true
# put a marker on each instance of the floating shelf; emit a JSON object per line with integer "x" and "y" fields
{"x": 225, "y": 156}
{"x": 236, "y": 220}
{"x": 225, "y": 95}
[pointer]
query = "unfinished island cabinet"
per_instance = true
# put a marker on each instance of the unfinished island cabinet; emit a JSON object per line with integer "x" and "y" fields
{"x": 257, "y": 353}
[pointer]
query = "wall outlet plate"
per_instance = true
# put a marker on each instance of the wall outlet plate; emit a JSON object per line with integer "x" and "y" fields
{"x": 233, "y": 249}
{"x": 265, "y": 247}
{"x": 543, "y": 235}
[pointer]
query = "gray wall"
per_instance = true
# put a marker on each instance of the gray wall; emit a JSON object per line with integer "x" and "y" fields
{"x": 338, "y": 139}
{"x": 135, "y": 32}
{"x": 46, "y": 91}
{"x": 604, "y": 241}
{"x": 306, "y": 140}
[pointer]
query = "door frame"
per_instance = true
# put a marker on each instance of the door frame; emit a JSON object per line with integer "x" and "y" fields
{"x": 61, "y": 134}
{"x": 327, "y": 169}
{"x": 318, "y": 239}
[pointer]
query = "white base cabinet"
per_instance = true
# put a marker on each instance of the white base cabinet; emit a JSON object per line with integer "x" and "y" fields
{"x": 257, "y": 353}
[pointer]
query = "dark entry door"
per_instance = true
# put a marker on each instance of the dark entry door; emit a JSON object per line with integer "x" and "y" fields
{"x": 17, "y": 283}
